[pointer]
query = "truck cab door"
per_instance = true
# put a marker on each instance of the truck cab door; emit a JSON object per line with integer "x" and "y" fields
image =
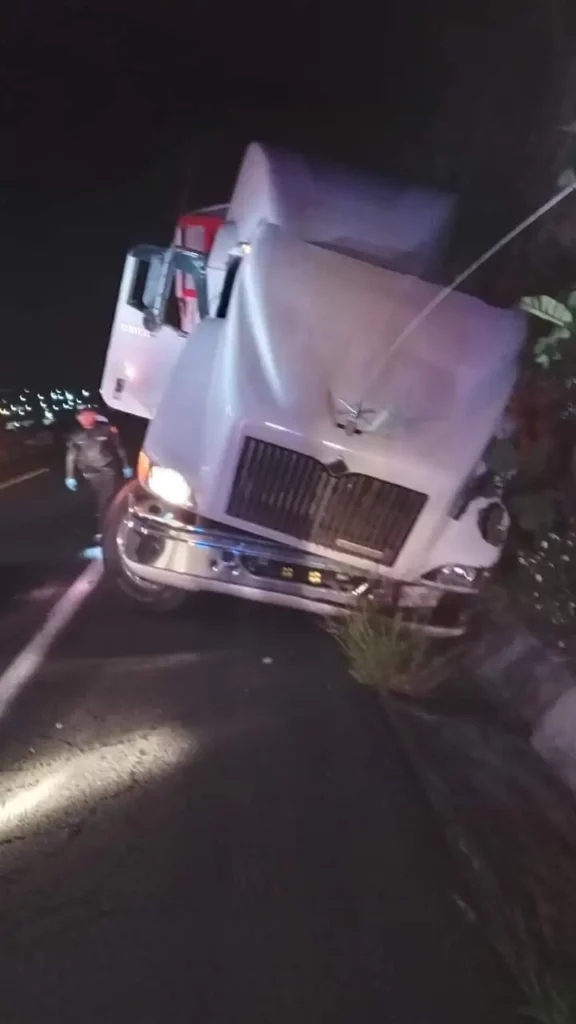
{"x": 147, "y": 335}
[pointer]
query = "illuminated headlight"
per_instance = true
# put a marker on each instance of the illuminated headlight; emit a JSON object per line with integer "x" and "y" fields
{"x": 460, "y": 576}
{"x": 167, "y": 484}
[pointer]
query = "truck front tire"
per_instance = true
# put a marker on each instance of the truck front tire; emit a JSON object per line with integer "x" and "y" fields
{"x": 154, "y": 597}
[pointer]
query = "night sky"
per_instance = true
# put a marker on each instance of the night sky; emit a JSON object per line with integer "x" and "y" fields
{"x": 114, "y": 120}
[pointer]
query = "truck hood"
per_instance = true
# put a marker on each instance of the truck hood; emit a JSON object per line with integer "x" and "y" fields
{"x": 306, "y": 337}
{"x": 307, "y": 340}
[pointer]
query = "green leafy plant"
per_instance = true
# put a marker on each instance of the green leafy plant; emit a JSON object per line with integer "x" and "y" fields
{"x": 548, "y": 348}
{"x": 545, "y": 308}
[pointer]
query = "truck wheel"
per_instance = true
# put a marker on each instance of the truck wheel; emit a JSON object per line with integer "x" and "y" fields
{"x": 153, "y": 597}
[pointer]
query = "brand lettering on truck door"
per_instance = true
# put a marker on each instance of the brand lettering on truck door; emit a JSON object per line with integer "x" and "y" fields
{"x": 133, "y": 329}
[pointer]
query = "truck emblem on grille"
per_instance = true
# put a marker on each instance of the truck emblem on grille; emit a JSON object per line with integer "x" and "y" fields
{"x": 354, "y": 416}
{"x": 357, "y": 419}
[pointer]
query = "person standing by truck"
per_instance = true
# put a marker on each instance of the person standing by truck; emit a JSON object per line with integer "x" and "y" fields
{"x": 95, "y": 452}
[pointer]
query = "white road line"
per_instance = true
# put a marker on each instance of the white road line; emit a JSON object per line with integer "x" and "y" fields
{"x": 27, "y": 663}
{"x": 20, "y": 479}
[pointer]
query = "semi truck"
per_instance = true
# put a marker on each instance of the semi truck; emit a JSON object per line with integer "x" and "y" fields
{"x": 304, "y": 446}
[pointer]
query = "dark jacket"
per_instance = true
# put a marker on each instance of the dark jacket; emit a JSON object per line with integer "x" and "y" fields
{"x": 94, "y": 451}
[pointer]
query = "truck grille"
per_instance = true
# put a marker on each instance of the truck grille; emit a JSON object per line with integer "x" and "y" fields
{"x": 295, "y": 494}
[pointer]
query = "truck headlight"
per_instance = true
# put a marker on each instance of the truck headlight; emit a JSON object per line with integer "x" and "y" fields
{"x": 461, "y": 576}
{"x": 167, "y": 484}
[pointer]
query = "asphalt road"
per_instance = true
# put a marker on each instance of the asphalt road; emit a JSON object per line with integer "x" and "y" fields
{"x": 202, "y": 819}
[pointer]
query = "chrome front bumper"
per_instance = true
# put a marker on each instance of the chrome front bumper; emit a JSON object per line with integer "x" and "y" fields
{"x": 155, "y": 544}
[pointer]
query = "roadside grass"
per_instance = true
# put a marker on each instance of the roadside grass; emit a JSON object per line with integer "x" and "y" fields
{"x": 509, "y": 823}
{"x": 520, "y": 871}
{"x": 382, "y": 652}
{"x": 551, "y": 1002}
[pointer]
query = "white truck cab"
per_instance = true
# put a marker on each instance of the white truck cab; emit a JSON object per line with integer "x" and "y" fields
{"x": 295, "y": 453}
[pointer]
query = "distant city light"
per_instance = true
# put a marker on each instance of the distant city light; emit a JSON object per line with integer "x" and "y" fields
{"x": 26, "y": 407}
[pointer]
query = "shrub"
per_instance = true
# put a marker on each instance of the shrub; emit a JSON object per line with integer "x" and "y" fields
{"x": 383, "y": 652}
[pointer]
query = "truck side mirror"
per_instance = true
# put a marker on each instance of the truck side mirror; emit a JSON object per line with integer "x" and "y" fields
{"x": 153, "y": 283}
{"x": 148, "y": 282}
